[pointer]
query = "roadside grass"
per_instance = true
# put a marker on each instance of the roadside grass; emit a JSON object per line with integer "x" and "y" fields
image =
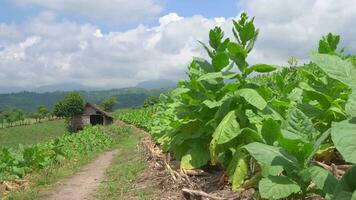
{"x": 32, "y": 134}
{"x": 127, "y": 165}
{"x": 44, "y": 180}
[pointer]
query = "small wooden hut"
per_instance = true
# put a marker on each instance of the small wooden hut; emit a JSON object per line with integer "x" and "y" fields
{"x": 92, "y": 115}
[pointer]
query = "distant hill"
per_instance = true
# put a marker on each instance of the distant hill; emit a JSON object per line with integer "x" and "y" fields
{"x": 6, "y": 90}
{"x": 64, "y": 87}
{"x": 29, "y": 101}
{"x": 157, "y": 84}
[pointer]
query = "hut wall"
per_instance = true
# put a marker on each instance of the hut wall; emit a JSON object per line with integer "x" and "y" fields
{"x": 86, "y": 120}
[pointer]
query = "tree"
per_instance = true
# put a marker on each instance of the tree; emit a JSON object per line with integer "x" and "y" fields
{"x": 150, "y": 101}
{"x": 42, "y": 112}
{"x": 109, "y": 103}
{"x": 72, "y": 104}
{"x": 10, "y": 117}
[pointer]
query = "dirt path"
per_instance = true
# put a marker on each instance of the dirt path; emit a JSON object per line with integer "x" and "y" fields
{"x": 84, "y": 183}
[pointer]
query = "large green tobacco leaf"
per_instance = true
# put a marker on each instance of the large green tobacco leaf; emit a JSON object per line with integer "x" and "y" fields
{"x": 252, "y": 97}
{"x": 344, "y": 136}
{"x": 238, "y": 169}
{"x": 271, "y": 156}
{"x": 351, "y": 104}
{"x": 347, "y": 186}
{"x": 227, "y": 130}
{"x": 277, "y": 187}
{"x": 336, "y": 68}
{"x": 220, "y": 60}
{"x": 298, "y": 123}
{"x": 323, "y": 179}
{"x": 323, "y": 99}
{"x": 296, "y": 145}
{"x": 196, "y": 156}
{"x": 271, "y": 131}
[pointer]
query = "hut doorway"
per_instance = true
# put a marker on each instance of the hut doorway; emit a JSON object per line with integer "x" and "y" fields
{"x": 96, "y": 119}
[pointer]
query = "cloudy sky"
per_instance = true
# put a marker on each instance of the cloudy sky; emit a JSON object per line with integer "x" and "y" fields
{"x": 118, "y": 43}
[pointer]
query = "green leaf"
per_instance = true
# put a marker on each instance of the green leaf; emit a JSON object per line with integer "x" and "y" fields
{"x": 271, "y": 131}
{"x": 344, "y": 136}
{"x": 179, "y": 91}
{"x": 296, "y": 145}
{"x": 237, "y": 53}
{"x": 323, "y": 99}
{"x": 216, "y": 75}
{"x": 350, "y": 106}
{"x": 271, "y": 156}
{"x": 227, "y": 130}
{"x": 298, "y": 123}
{"x": 203, "y": 64}
{"x": 347, "y": 185}
{"x": 336, "y": 68}
{"x": 252, "y": 97}
{"x": 207, "y": 49}
{"x": 215, "y": 37}
{"x": 318, "y": 143}
{"x": 262, "y": 68}
{"x": 196, "y": 156}
{"x": 238, "y": 169}
{"x": 277, "y": 187}
{"x": 247, "y": 32}
{"x": 212, "y": 104}
{"x": 220, "y": 60}
{"x": 323, "y": 179}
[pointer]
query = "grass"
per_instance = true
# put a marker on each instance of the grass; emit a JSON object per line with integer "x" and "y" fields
{"x": 119, "y": 177}
{"x": 32, "y": 134}
{"x": 45, "y": 180}
{"x": 125, "y": 168}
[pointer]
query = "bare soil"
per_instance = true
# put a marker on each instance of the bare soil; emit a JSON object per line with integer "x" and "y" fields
{"x": 83, "y": 184}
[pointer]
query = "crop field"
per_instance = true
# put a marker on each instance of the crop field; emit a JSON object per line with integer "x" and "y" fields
{"x": 32, "y": 134}
{"x": 141, "y": 118}
{"x": 288, "y": 131}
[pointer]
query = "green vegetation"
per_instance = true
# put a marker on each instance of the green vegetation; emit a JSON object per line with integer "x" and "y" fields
{"x": 32, "y": 134}
{"x": 126, "y": 166}
{"x": 139, "y": 117}
{"x": 17, "y": 163}
{"x": 150, "y": 101}
{"x": 72, "y": 104}
{"x": 278, "y": 120}
{"x": 109, "y": 103}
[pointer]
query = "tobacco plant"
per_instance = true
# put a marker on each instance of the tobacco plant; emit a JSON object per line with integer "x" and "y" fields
{"x": 231, "y": 114}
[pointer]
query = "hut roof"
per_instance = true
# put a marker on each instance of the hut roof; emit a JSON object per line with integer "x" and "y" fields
{"x": 97, "y": 108}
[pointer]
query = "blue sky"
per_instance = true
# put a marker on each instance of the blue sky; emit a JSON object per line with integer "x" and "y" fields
{"x": 119, "y": 43}
{"x": 12, "y": 12}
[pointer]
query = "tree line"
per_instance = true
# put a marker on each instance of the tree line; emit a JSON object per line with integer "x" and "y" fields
{"x": 18, "y": 117}
{"x": 70, "y": 105}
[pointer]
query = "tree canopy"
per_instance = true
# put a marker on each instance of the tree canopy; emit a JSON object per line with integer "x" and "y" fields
{"x": 72, "y": 104}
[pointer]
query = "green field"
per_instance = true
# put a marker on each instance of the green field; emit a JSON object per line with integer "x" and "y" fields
{"x": 32, "y": 134}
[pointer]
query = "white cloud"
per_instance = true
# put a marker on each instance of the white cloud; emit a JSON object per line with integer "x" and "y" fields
{"x": 119, "y": 11}
{"x": 293, "y": 28}
{"x": 53, "y": 51}
{"x": 46, "y": 50}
